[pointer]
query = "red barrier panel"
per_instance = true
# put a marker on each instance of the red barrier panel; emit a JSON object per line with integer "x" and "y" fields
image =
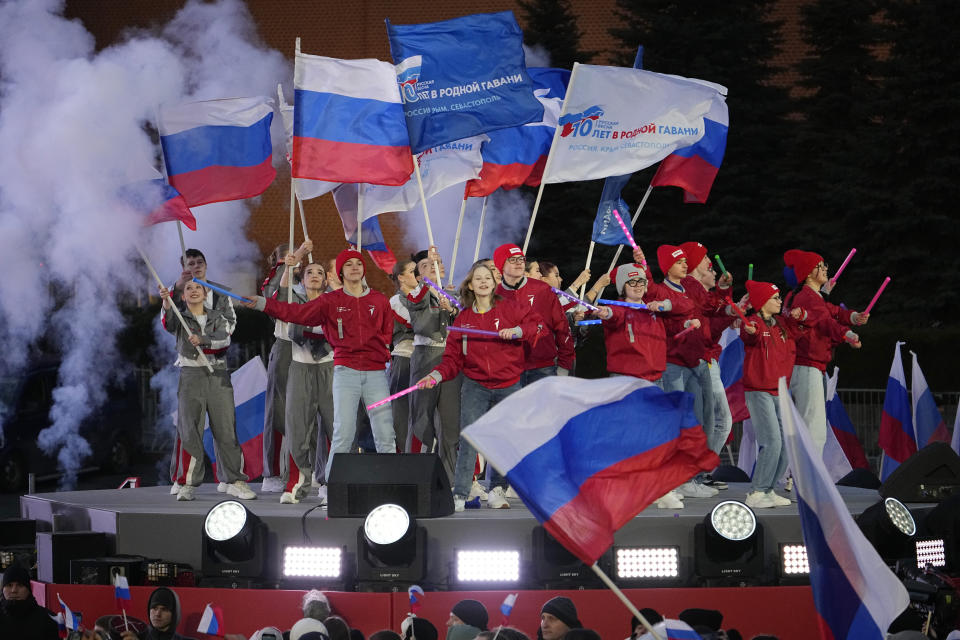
{"x": 786, "y": 612}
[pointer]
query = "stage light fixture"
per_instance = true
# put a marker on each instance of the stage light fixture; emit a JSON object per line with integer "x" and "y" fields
{"x": 234, "y": 545}
{"x": 943, "y": 522}
{"x": 493, "y": 566}
{"x": 931, "y": 552}
{"x": 647, "y": 563}
{"x": 890, "y": 528}
{"x": 729, "y": 545}
{"x": 391, "y": 547}
{"x": 312, "y": 562}
{"x": 793, "y": 560}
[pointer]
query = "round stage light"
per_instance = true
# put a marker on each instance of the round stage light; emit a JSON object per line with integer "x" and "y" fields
{"x": 386, "y": 524}
{"x": 733, "y": 520}
{"x": 900, "y": 516}
{"x": 225, "y": 520}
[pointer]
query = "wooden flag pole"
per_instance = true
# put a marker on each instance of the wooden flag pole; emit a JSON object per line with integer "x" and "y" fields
{"x": 456, "y": 239}
{"x": 583, "y": 287}
{"x": 183, "y": 246}
{"x": 546, "y": 168}
{"x": 426, "y": 215}
{"x": 200, "y": 355}
{"x": 483, "y": 212}
{"x": 293, "y": 197}
{"x": 303, "y": 223}
{"x": 623, "y": 598}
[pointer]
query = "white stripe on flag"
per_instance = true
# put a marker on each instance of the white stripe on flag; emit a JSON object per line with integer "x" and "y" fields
{"x": 368, "y": 79}
{"x": 249, "y": 381}
{"x": 227, "y": 112}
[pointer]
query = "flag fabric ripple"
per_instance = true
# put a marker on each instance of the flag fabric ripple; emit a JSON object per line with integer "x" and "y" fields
{"x": 897, "y": 438}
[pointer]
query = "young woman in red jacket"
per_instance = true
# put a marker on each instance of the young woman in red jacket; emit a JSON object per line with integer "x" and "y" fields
{"x": 822, "y": 327}
{"x": 769, "y": 354}
{"x": 491, "y": 367}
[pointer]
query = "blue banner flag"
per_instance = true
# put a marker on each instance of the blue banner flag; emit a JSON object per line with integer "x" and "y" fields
{"x": 462, "y": 77}
{"x": 606, "y": 229}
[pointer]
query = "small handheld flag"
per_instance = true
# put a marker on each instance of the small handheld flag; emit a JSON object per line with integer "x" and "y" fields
{"x": 121, "y": 591}
{"x": 507, "y": 607}
{"x": 416, "y": 597}
{"x": 211, "y": 622}
{"x": 71, "y": 620}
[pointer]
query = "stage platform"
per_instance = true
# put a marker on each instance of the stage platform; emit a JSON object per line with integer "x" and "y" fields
{"x": 150, "y": 522}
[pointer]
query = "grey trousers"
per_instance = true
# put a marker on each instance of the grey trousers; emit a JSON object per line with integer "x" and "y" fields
{"x": 426, "y": 404}
{"x": 201, "y": 394}
{"x": 400, "y": 380}
{"x": 278, "y": 366}
{"x": 309, "y": 405}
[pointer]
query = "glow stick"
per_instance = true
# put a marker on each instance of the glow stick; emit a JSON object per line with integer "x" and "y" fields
{"x": 626, "y": 232}
{"x": 393, "y": 397}
{"x": 621, "y": 303}
{"x": 439, "y": 289}
{"x": 883, "y": 286}
{"x": 750, "y": 271}
{"x": 580, "y": 323}
{"x": 575, "y": 299}
{"x": 221, "y": 290}
{"x": 723, "y": 269}
{"x": 739, "y": 311}
{"x": 843, "y": 266}
{"x": 684, "y": 332}
{"x": 478, "y": 332}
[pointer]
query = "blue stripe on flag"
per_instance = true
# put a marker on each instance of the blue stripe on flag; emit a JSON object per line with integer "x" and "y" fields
{"x": 250, "y": 416}
{"x": 222, "y": 146}
{"x": 342, "y": 118}
{"x": 711, "y": 146}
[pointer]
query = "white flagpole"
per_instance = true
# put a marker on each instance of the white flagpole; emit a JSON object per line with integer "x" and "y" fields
{"x": 200, "y": 355}
{"x": 583, "y": 287}
{"x": 293, "y": 197}
{"x": 483, "y": 212}
{"x": 633, "y": 223}
{"x": 456, "y": 239}
{"x": 546, "y": 168}
{"x": 359, "y": 217}
{"x": 623, "y": 598}
{"x": 426, "y": 215}
{"x": 303, "y": 223}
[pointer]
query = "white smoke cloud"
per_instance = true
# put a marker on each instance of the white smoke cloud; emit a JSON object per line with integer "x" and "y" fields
{"x": 73, "y": 124}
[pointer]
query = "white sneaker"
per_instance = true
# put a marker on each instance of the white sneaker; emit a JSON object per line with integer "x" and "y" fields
{"x": 459, "y": 504}
{"x": 511, "y": 493}
{"x": 778, "y": 501}
{"x": 185, "y": 493}
{"x": 174, "y": 489}
{"x": 693, "y": 489}
{"x": 272, "y": 484}
{"x": 676, "y": 494}
{"x": 222, "y": 487}
{"x": 477, "y": 491}
{"x": 496, "y": 499}
{"x": 288, "y": 498}
{"x": 759, "y": 500}
{"x": 322, "y": 494}
{"x": 240, "y": 489}
{"x": 669, "y": 501}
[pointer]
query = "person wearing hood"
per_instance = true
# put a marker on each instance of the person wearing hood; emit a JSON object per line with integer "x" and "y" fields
{"x": 21, "y": 617}
{"x": 163, "y": 615}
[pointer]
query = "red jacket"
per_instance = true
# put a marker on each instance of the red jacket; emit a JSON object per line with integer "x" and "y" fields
{"x": 555, "y": 344}
{"x": 636, "y": 343}
{"x": 713, "y": 306}
{"x": 823, "y": 326}
{"x": 359, "y": 329}
{"x": 769, "y": 353}
{"x": 691, "y": 347}
{"x": 493, "y": 362}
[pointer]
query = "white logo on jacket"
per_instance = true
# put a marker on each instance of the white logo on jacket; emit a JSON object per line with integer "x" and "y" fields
{"x": 496, "y": 323}
{"x": 531, "y": 296}
{"x": 372, "y": 309}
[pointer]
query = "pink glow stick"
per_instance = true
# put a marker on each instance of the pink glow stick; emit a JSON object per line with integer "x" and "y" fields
{"x": 393, "y": 397}
{"x": 684, "y": 332}
{"x": 883, "y": 286}
{"x": 843, "y": 266}
{"x": 478, "y": 332}
{"x": 626, "y": 232}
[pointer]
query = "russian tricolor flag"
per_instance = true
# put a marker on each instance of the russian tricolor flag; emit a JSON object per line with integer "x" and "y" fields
{"x": 731, "y": 372}
{"x": 211, "y": 622}
{"x": 348, "y": 122}
{"x": 694, "y": 168}
{"x": 347, "y": 199}
{"x": 415, "y": 593}
{"x": 855, "y": 593}
{"x": 586, "y": 456}
{"x": 506, "y": 608}
{"x": 250, "y": 399}
{"x": 517, "y": 155}
{"x": 842, "y": 427}
{"x": 672, "y": 630}
{"x": 121, "y": 591}
{"x": 927, "y": 421}
{"x": 71, "y": 620}
{"x": 897, "y": 438}
{"x": 158, "y": 202}
{"x": 218, "y": 150}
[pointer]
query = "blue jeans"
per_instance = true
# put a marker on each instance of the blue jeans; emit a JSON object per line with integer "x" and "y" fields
{"x": 532, "y": 375}
{"x": 677, "y": 378}
{"x": 772, "y": 456}
{"x": 717, "y": 420}
{"x": 475, "y": 400}
{"x": 350, "y": 386}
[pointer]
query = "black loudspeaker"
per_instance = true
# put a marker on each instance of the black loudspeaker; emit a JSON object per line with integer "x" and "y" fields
{"x": 930, "y": 475}
{"x": 361, "y": 481}
{"x": 862, "y": 478}
{"x": 56, "y": 550}
{"x": 105, "y": 570}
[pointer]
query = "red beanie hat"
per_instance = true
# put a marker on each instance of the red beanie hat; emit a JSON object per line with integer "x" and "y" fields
{"x": 504, "y": 251}
{"x": 760, "y": 292}
{"x": 345, "y": 255}
{"x": 626, "y": 272}
{"x": 696, "y": 252}
{"x": 668, "y": 255}
{"x": 802, "y": 262}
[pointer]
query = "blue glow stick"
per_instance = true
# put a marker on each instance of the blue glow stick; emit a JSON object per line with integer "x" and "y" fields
{"x": 221, "y": 290}
{"x": 580, "y": 323}
{"x": 446, "y": 295}
{"x": 621, "y": 303}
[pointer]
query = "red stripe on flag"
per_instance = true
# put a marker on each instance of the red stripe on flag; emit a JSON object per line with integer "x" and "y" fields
{"x": 253, "y": 456}
{"x": 220, "y": 184}
{"x": 350, "y": 162}
{"x": 694, "y": 175}
{"x": 508, "y": 176}
{"x": 895, "y": 442}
